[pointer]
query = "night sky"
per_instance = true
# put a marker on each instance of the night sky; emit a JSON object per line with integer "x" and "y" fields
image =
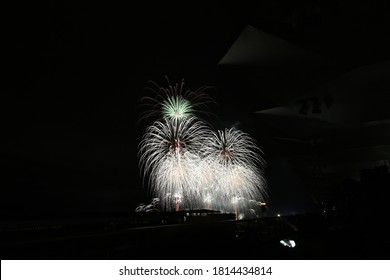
{"x": 74, "y": 73}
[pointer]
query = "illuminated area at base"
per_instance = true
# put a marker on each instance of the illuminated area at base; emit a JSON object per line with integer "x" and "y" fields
{"x": 187, "y": 164}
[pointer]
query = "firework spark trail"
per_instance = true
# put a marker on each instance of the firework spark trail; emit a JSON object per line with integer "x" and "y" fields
{"x": 175, "y": 178}
{"x": 237, "y": 165}
{"x": 169, "y": 157}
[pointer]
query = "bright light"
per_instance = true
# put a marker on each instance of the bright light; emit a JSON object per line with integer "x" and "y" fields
{"x": 288, "y": 243}
{"x": 278, "y": 215}
{"x": 188, "y": 165}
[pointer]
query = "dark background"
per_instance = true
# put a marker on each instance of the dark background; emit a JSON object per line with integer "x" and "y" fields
{"x": 73, "y": 73}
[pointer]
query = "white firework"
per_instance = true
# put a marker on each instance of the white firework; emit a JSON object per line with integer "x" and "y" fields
{"x": 237, "y": 166}
{"x": 169, "y": 158}
{"x": 187, "y": 165}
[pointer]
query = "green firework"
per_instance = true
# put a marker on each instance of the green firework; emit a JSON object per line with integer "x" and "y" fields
{"x": 176, "y": 107}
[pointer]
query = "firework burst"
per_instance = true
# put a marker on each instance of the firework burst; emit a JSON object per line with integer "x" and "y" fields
{"x": 169, "y": 158}
{"x": 237, "y": 166}
{"x": 174, "y": 102}
{"x": 188, "y": 165}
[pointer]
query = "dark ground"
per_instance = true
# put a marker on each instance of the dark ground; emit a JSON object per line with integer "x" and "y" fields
{"x": 144, "y": 237}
